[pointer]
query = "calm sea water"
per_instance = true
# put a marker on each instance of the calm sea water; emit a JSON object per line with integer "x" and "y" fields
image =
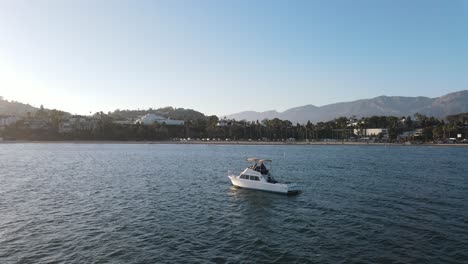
{"x": 125, "y": 203}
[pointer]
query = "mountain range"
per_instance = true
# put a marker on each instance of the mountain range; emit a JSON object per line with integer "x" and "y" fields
{"x": 440, "y": 107}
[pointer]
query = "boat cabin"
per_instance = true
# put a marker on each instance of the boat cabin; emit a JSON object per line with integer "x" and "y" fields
{"x": 259, "y": 165}
{"x": 250, "y": 177}
{"x": 258, "y": 171}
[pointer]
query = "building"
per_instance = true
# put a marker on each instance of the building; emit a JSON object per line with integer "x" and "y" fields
{"x": 151, "y": 118}
{"x": 124, "y": 122}
{"x": 352, "y": 122}
{"x": 7, "y": 121}
{"x": 83, "y": 123}
{"x": 413, "y": 133}
{"x": 65, "y": 127}
{"x": 78, "y": 123}
{"x": 36, "y": 124}
{"x": 372, "y": 132}
{"x": 224, "y": 122}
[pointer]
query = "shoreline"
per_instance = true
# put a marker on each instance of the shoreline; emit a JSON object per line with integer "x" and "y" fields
{"x": 242, "y": 143}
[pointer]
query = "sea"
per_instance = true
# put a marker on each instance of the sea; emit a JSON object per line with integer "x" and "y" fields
{"x": 173, "y": 203}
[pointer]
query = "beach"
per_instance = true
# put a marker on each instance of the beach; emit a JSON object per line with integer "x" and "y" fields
{"x": 235, "y": 142}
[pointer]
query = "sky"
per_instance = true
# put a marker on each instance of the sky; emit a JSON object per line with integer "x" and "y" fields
{"x": 222, "y": 57}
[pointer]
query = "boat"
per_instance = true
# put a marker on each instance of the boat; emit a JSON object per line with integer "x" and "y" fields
{"x": 257, "y": 176}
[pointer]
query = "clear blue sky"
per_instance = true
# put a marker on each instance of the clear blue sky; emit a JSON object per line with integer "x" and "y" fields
{"x": 220, "y": 57}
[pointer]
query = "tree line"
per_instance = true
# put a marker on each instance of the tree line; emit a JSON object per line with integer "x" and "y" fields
{"x": 198, "y": 126}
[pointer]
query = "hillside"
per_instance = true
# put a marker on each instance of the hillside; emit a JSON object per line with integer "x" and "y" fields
{"x": 173, "y": 113}
{"x": 439, "y": 107}
{"x": 15, "y": 108}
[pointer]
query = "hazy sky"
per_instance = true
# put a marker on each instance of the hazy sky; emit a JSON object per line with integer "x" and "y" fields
{"x": 220, "y": 57}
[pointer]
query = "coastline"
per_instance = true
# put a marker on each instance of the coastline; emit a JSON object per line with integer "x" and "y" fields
{"x": 240, "y": 142}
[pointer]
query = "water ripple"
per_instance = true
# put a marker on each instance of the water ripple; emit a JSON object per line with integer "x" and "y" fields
{"x": 85, "y": 203}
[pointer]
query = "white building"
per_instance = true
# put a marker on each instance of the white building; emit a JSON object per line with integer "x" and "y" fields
{"x": 224, "y": 122}
{"x": 352, "y": 122}
{"x": 372, "y": 132}
{"x": 413, "y": 133}
{"x": 149, "y": 119}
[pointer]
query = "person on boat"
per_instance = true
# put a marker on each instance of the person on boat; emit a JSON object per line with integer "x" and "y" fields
{"x": 270, "y": 179}
{"x": 257, "y": 167}
{"x": 263, "y": 169}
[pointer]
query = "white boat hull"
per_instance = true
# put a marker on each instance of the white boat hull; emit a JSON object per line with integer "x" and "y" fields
{"x": 264, "y": 186}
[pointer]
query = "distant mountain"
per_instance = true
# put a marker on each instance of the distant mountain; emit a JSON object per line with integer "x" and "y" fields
{"x": 15, "y": 108}
{"x": 452, "y": 103}
{"x": 252, "y": 115}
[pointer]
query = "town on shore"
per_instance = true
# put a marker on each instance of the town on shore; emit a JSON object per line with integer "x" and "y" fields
{"x": 188, "y": 126}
